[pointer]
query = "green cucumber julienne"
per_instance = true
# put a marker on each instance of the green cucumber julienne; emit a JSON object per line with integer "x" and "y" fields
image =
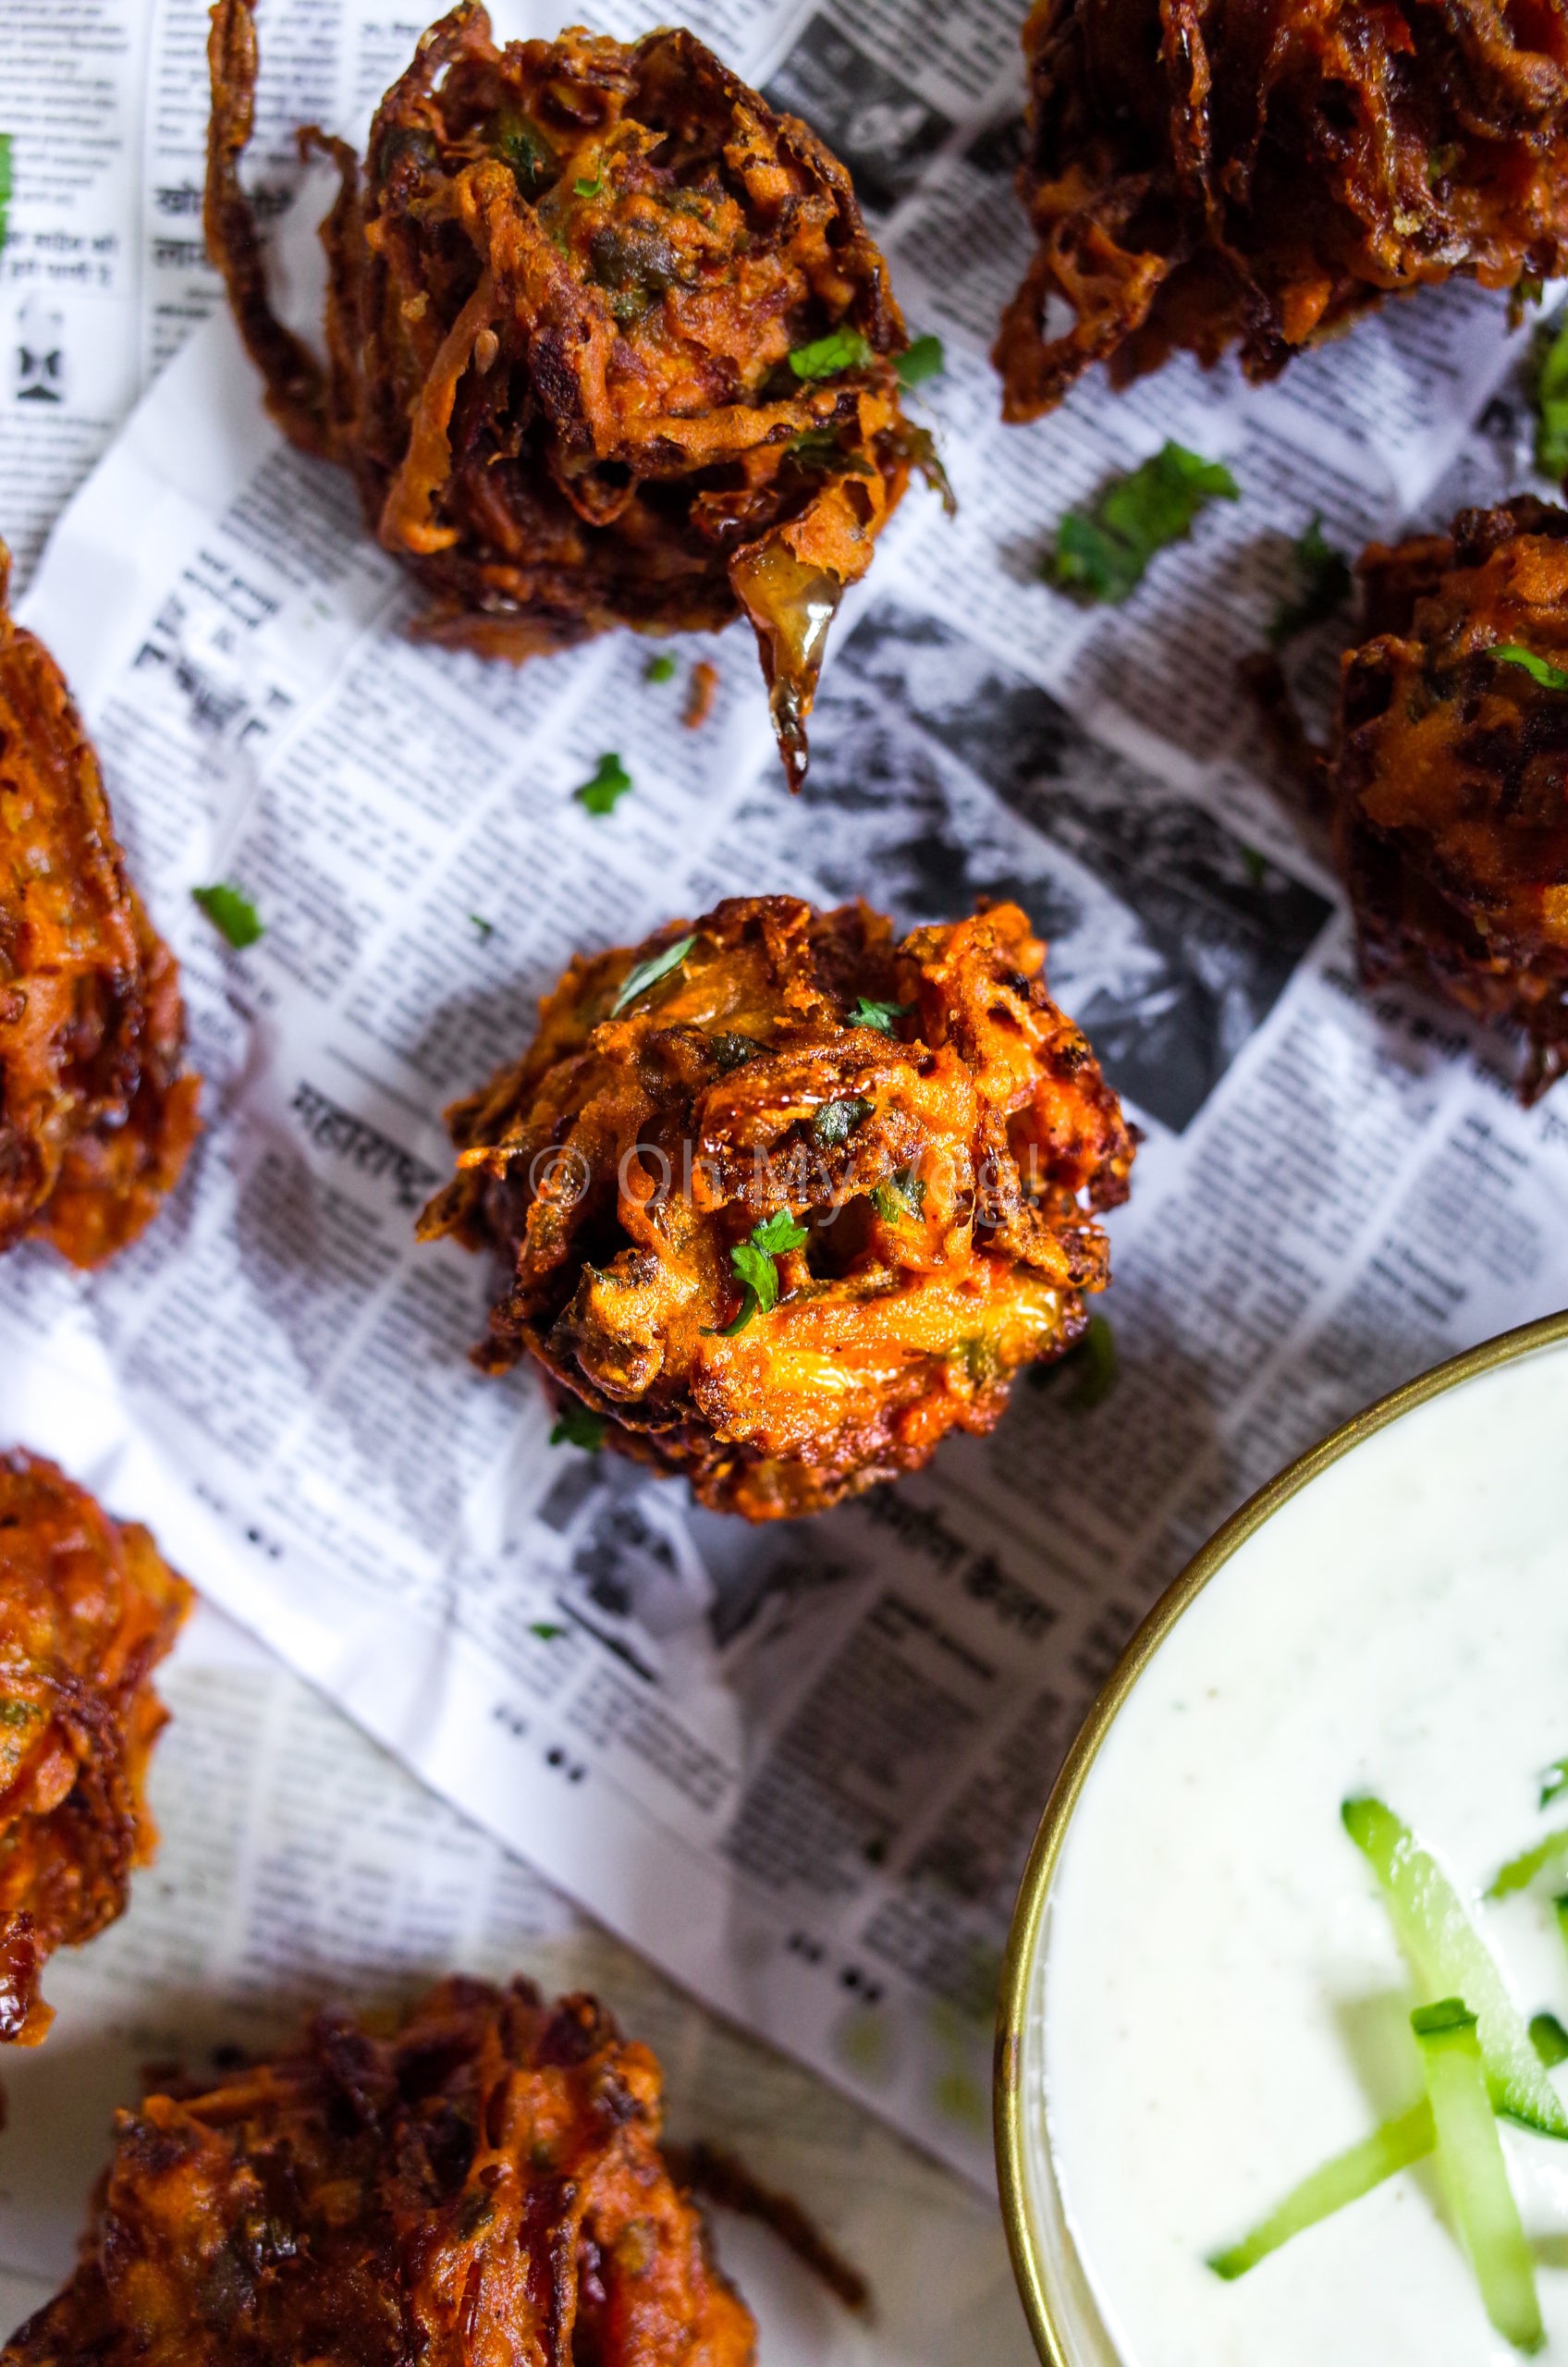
{"x": 1343, "y": 2179}
{"x": 1474, "y": 2172}
{"x": 1450, "y": 1958}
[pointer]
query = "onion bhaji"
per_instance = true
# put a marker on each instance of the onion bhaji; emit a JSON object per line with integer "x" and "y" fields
{"x": 96, "y": 1120}
{"x": 1202, "y": 172}
{"x": 87, "y": 1611}
{"x": 607, "y": 344}
{"x": 486, "y": 2184}
{"x": 784, "y": 1201}
{"x": 1450, "y": 771}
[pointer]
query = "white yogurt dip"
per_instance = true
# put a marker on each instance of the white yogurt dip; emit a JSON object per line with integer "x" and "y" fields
{"x": 1219, "y": 2004}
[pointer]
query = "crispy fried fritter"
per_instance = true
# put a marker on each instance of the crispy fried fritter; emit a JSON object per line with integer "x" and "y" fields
{"x": 1201, "y": 173}
{"x": 564, "y": 291}
{"x": 87, "y": 1611}
{"x": 96, "y": 1120}
{"x": 485, "y": 2186}
{"x": 923, "y": 1115}
{"x": 1450, "y": 774}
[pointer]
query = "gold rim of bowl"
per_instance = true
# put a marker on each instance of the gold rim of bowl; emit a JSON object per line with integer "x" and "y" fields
{"x": 1009, "y": 2103}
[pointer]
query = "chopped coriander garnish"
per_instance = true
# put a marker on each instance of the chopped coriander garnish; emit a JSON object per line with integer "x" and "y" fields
{"x": 733, "y": 1051}
{"x": 484, "y": 930}
{"x": 842, "y": 348}
{"x": 1325, "y": 584}
{"x": 5, "y": 185}
{"x": 233, "y": 915}
{"x": 1550, "y": 677}
{"x": 647, "y": 973}
{"x": 608, "y": 781}
{"x": 899, "y": 1199}
{"x": 531, "y": 156}
{"x": 1552, "y": 401}
{"x": 1450, "y": 1957}
{"x": 589, "y": 189}
{"x": 1549, "y": 2040}
{"x": 1554, "y": 1782}
{"x": 1103, "y": 552}
{"x": 1098, "y": 1370}
{"x": 818, "y": 448}
{"x": 1343, "y": 2179}
{"x": 836, "y": 1121}
{"x": 1254, "y": 865}
{"x": 578, "y": 1425}
{"x": 660, "y": 669}
{"x": 754, "y": 1262}
{"x": 880, "y": 1015}
{"x": 1521, "y": 1871}
{"x": 1471, "y": 2161}
{"x": 546, "y": 1630}
{"x": 924, "y": 359}
{"x": 19, "y": 1713}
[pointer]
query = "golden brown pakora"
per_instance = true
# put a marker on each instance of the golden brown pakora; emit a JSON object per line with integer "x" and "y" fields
{"x": 484, "y": 2184}
{"x": 609, "y": 343}
{"x": 1450, "y": 771}
{"x": 96, "y": 1119}
{"x": 1200, "y": 174}
{"x": 783, "y": 1202}
{"x": 87, "y": 1610}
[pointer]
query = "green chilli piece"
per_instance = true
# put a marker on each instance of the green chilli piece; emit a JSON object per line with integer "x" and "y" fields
{"x": 1473, "y": 2170}
{"x": 1521, "y": 1871}
{"x": 1343, "y": 2179}
{"x": 1449, "y": 1957}
{"x": 1549, "y": 677}
{"x": 647, "y": 973}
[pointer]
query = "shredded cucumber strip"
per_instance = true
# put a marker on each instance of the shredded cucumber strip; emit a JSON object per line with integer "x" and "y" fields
{"x": 1522, "y": 1870}
{"x": 1343, "y": 2179}
{"x": 1473, "y": 2170}
{"x": 1450, "y": 1959}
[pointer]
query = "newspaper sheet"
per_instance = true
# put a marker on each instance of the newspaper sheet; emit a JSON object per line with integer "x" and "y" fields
{"x": 300, "y": 1864}
{"x": 798, "y": 1768}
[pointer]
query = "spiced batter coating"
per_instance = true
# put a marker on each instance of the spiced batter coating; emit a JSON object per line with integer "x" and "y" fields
{"x": 483, "y": 2184}
{"x": 1449, "y": 772}
{"x": 97, "y": 1117}
{"x": 920, "y": 1114}
{"x": 1203, "y": 173}
{"x": 565, "y": 287}
{"x": 87, "y": 1610}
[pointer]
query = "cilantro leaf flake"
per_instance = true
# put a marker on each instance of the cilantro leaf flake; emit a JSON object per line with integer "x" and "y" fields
{"x": 752, "y": 1260}
{"x": 824, "y": 357}
{"x": 1324, "y": 579}
{"x": 1552, "y": 401}
{"x": 880, "y": 1015}
{"x": 836, "y": 1121}
{"x": 901, "y": 1197}
{"x": 1102, "y": 553}
{"x": 1549, "y": 677}
{"x": 609, "y": 781}
{"x": 660, "y": 669}
{"x": 232, "y": 914}
{"x": 547, "y": 1630}
{"x": 924, "y": 359}
{"x": 647, "y": 973}
{"x": 579, "y": 1426}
